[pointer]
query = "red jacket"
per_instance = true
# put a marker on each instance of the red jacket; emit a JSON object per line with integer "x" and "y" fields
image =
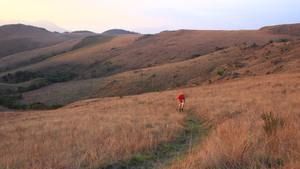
{"x": 180, "y": 97}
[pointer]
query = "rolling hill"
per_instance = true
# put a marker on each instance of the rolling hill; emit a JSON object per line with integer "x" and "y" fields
{"x": 118, "y": 32}
{"x": 132, "y": 130}
{"x": 17, "y": 38}
{"x": 140, "y": 51}
{"x": 242, "y": 87}
{"x": 135, "y": 64}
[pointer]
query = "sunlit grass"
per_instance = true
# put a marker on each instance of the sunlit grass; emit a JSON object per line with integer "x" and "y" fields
{"x": 97, "y": 132}
{"x": 238, "y": 138}
{"x": 85, "y": 134}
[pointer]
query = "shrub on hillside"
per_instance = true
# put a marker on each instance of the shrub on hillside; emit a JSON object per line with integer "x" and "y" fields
{"x": 56, "y": 106}
{"x": 220, "y": 72}
{"x": 21, "y": 76}
{"x": 272, "y": 124}
{"x": 61, "y": 77}
{"x": 220, "y": 48}
{"x": 8, "y": 101}
{"x": 283, "y": 40}
{"x": 195, "y": 56}
{"x": 37, "y": 106}
{"x": 238, "y": 64}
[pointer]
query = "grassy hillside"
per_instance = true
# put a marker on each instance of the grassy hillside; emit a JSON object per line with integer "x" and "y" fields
{"x": 79, "y": 61}
{"x": 97, "y": 132}
{"x": 235, "y": 62}
{"x": 290, "y": 29}
{"x": 252, "y": 123}
{"x": 93, "y": 41}
{"x": 118, "y": 32}
{"x": 135, "y": 64}
{"x": 128, "y": 52}
{"x": 122, "y": 107}
{"x": 30, "y": 57}
{"x": 86, "y": 134}
{"x": 19, "y": 38}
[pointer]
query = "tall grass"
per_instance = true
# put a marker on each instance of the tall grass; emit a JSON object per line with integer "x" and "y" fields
{"x": 93, "y": 133}
{"x": 86, "y": 134}
{"x": 235, "y": 113}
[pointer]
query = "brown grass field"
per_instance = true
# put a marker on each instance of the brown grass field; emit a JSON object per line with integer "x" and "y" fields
{"x": 187, "y": 73}
{"x": 86, "y": 134}
{"x": 25, "y": 58}
{"x": 238, "y": 139}
{"x": 90, "y": 133}
{"x": 251, "y": 113}
{"x": 128, "y": 52}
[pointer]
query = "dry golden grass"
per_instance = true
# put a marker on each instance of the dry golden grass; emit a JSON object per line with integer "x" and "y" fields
{"x": 166, "y": 47}
{"x": 233, "y": 113}
{"x": 94, "y": 132}
{"x": 86, "y": 134}
{"x": 24, "y": 58}
{"x": 90, "y": 133}
{"x": 62, "y": 93}
{"x": 201, "y": 69}
{"x": 169, "y": 76}
{"x": 74, "y": 60}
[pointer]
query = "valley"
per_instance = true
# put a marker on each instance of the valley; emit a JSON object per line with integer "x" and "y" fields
{"x": 101, "y": 101}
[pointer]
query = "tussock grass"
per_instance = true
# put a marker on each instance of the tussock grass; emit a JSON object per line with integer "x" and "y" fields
{"x": 235, "y": 113}
{"x": 99, "y": 132}
{"x": 86, "y": 134}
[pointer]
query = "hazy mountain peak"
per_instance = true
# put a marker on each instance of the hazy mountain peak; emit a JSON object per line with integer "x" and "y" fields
{"x": 50, "y": 26}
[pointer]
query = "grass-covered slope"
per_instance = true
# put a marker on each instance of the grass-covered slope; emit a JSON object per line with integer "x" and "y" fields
{"x": 30, "y": 57}
{"x": 247, "y": 95}
{"x": 135, "y": 64}
{"x": 86, "y": 134}
{"x": 101, "y": 132}
{"x": 93, "y": 41}
{"x": 18, "y": 38}
{"x": 127, "y": 52}
{"x": 235, "y": 62}
{"x": 253, "y": 123}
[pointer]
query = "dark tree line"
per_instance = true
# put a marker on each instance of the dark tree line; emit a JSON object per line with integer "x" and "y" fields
{"x": 21, "y": 76}
{"x": 9, "y": 97}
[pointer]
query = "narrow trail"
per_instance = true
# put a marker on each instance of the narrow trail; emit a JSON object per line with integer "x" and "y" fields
{"x": 169, "y": 152}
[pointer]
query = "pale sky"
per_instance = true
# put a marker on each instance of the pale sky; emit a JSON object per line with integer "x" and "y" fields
{"x": 154, "y": 16}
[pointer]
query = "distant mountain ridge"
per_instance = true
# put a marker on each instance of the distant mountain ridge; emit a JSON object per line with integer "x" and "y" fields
{"x": 40, "y": 23}
{"x": 137, "y": 63}
{"x": 17, "y": 38}
{"x": 118, "y": 32}
{"x": 19, "y": 30}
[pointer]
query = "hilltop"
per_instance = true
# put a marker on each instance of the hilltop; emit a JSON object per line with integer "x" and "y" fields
{"x": 110, "y": 65}
{"x": 286, "y": 29}
{"x": 116, "y": 107}
{"x": 118, "y": 32}
{"x": 18, "y": 38}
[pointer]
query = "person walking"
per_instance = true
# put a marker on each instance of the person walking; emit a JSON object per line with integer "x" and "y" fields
{"x": 181, "y": 101}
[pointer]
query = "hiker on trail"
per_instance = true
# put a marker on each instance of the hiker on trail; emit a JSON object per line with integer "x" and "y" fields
{"x": 181, "y": 100}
